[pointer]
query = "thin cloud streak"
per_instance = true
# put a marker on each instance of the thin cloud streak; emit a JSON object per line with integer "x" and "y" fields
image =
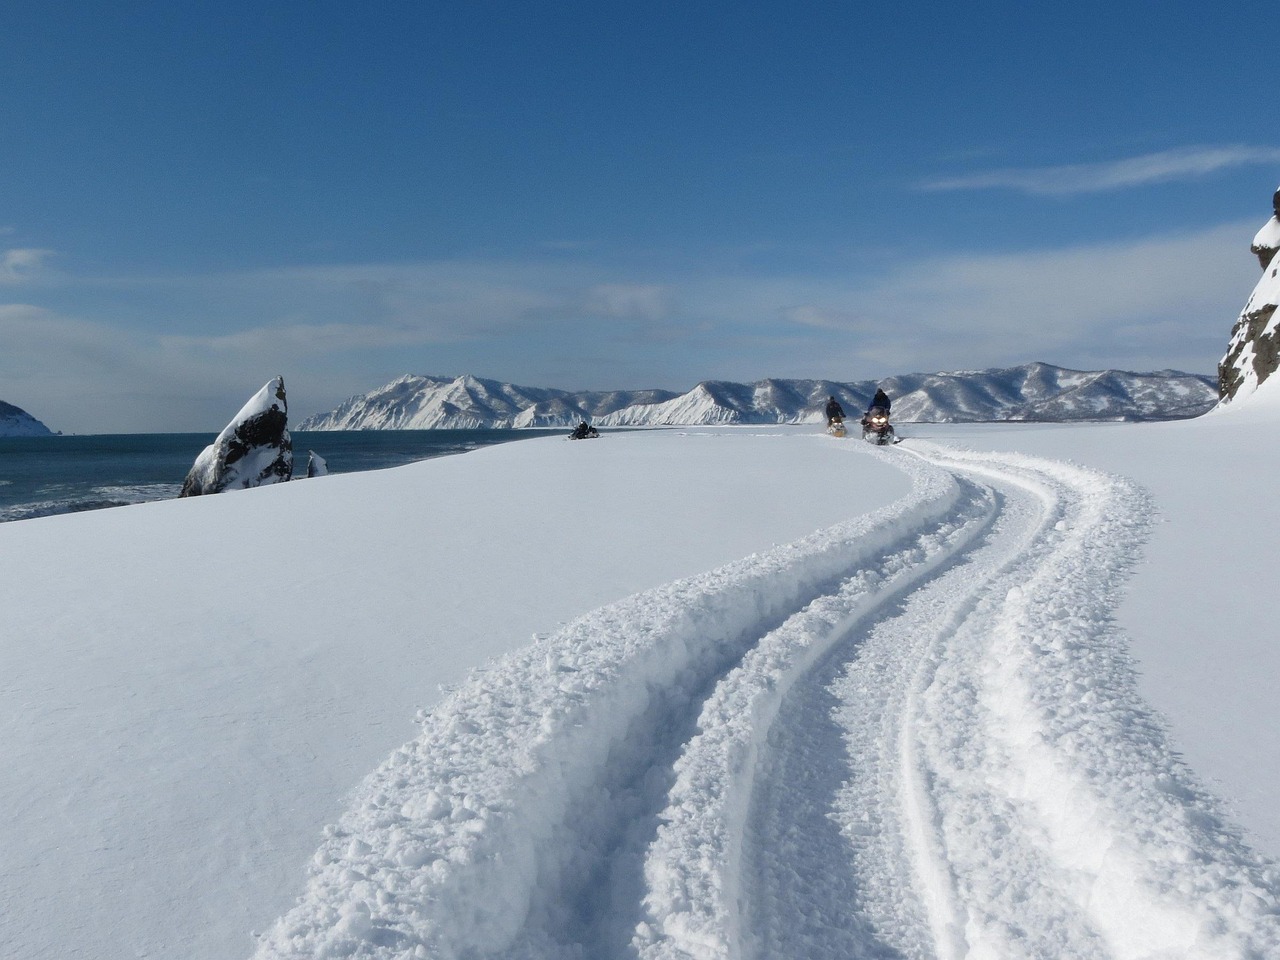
{"x": 1117, "y": 303}
{"x": 1163, "y": 167}
{"x": 22, "y": 264}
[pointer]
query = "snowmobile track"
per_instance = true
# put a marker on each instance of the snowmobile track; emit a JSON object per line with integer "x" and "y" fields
{"x": 914, "y": 734}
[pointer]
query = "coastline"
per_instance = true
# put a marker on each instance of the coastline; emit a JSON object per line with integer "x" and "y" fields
{"x": 72, "y": 473}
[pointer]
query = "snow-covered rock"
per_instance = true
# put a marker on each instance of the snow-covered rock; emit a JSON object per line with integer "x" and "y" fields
{"x": 317, "y": 466}
{"x": 16, "y": 422}
{"x": 1254, "y": 351}
{"x": 1035, "y": 391}
{"x": 1267, "y": 242}
{"x": 253, "y": 450}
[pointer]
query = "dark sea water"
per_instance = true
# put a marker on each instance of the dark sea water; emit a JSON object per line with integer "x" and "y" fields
{"x": 42, "y": 476}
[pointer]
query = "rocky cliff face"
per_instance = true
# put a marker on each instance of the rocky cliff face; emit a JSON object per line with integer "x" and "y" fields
{"x": 1254, "y": 351}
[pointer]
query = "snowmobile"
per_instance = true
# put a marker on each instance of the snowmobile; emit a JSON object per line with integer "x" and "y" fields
{"x": 584, "y": 431}
{"x": 836, "y": 427}
{"x": 876, "y": 427}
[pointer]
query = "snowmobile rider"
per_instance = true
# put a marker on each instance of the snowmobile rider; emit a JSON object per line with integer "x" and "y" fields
{"x": 881, "y": 400}
{"x": 835, "y": 413}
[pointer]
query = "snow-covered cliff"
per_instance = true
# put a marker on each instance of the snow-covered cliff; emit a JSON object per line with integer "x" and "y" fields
{"x": 1254, "y": 351}
{"x": 16, "y": 422}
{"x": 1035, "y": 391}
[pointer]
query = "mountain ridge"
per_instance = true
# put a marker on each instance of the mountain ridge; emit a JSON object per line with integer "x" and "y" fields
{"x": 16, "y": 422}
{"x": 1030, "y": 392}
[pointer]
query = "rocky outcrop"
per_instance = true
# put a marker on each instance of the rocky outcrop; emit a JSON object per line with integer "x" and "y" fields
{"x": 317, "y": 466}
{"x": 16, "y": 422}
{"x": 255, "y": 448}
{"x": 1254, "y": 351}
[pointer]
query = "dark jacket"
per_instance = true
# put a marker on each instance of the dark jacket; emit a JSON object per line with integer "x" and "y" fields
{"x": 881, "y": 400}
{"x": 834, "y": 409}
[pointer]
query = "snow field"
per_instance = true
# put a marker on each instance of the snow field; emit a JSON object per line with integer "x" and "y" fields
{"x": 191, "y": 688}
{"x": 507, "y": 827}
{"x": 1012, "y": 797}
{"x": 914, "y": 734}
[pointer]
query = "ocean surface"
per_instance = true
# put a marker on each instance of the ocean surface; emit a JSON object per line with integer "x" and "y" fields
{"x": 43, "y": 476}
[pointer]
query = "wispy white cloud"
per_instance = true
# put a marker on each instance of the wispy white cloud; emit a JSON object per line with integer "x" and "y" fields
{"x": 1162, "y": 167}
{"x": 645, "y": 302}
{"x": 22, "y": 264}
{"x": 1154, "y": 302}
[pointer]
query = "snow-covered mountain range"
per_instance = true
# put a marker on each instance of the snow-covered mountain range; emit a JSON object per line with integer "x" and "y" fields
{"x": 1034, "y": 391}
{"x": 16, "y": 422}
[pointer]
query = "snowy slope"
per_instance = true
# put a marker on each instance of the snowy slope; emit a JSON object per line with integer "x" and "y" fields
{"x": 785, "y": 696}
{"x": 1035, "y": 391}
{"x": 16, "y": 422}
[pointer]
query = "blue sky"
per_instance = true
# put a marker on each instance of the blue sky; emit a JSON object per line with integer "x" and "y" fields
{"x": 196, "y": 197}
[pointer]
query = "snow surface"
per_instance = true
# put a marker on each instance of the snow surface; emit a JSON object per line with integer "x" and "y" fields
{"x": 1000, "y": 691}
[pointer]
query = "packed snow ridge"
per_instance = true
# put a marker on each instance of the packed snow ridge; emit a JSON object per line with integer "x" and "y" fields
{"x": 16, "y": 422}
{"x": 1034, "y": 391}
{"x": 912, "y": 734}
